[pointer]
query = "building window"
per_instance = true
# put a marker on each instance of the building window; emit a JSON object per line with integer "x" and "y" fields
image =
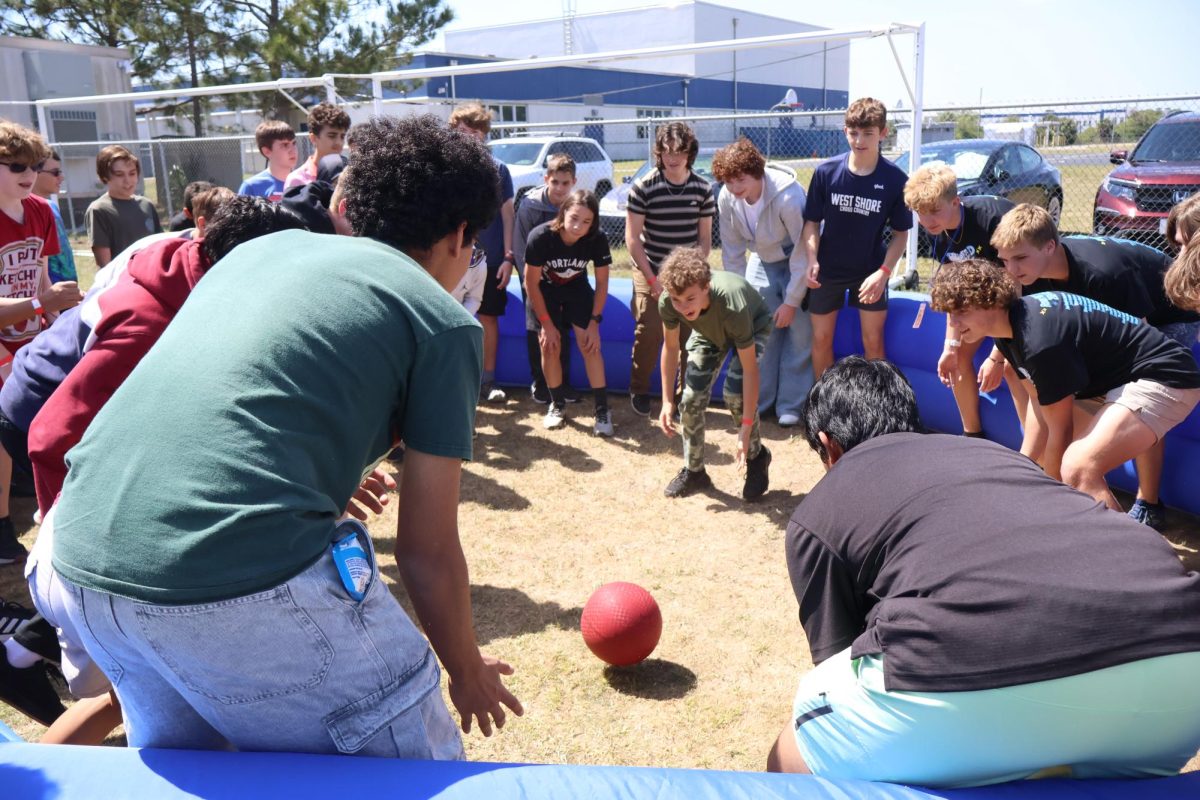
{"x": 644, "y": 132}
{"x": 508, "y": 113}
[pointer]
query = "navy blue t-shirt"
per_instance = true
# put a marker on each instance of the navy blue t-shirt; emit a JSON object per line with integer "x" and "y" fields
{"x": 491, "y": 238}
{"x": 855, "y": 209}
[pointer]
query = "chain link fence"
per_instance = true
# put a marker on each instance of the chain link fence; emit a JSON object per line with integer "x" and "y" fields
{"x": 1111, "y": 168}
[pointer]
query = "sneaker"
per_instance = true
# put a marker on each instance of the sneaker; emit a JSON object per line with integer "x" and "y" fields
{"x": 29, "y": 691}
{"x": 555, "y": 418}
{"x": 1153, "y": 515}
{"x": 756, "y": 475}
{"x": 493, "y": 393}
{"x": 539, "y": 393}
{"x": 604, "y": 426}
{"x": 640, "y": 403}
{"x": 11, "y": 616}
{"x": 11, "y": 551}
{"x": 570, "y": 395}
{"x": 686, "y": 482}
{"x": 789, "y": 420}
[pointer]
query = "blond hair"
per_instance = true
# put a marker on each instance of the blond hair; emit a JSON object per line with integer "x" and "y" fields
{"x": 1184, "y": 218}
{"x": 22, "y": 145}
{"x": 683, "y": 268}
{"x": 929, "y": 187}
{"x": 1182, "y": 280}
{"x": 1025, "y": 224}
{"x": 473, "y": 115}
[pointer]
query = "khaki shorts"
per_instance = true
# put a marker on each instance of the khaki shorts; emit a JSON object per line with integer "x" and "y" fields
{"x": 1159, "y": 407}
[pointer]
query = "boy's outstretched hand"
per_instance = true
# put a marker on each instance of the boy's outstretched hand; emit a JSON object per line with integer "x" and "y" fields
{"x": 483, "y": 696}
{"x": 666, "y": 419}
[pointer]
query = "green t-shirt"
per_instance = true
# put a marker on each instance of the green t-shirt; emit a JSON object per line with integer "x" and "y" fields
{"x": 219, "y": 467}
{"x": 735, "y": 315}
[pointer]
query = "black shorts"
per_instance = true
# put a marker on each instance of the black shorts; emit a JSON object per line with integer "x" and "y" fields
{"x": 495, "y": 299}
{"x": 569, "y": 303}
{"x": 832, "y": 297}
{"x": 16, "y": 442}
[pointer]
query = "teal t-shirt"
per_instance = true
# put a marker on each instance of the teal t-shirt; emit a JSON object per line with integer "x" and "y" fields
{"x": 735, "y": 315}
{"x": 220, "y": 465}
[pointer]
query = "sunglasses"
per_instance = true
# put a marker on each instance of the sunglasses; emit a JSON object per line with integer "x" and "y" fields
{"x": 478, "y": 256}
{"x": 18, "y": 169}
{"x": 58, "y": 173}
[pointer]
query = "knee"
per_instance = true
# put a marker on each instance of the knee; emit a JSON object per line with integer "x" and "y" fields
{"x": 785, "y": 755}
{"x": 822, "y": 339}
{"x": 1078, "y": 468}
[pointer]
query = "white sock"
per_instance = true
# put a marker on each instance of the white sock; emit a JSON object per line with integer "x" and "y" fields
{"x": 20, "y": 656}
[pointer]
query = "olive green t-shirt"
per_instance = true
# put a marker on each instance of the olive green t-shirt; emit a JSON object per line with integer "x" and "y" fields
{"x": 735, "y": 315}
{"x": 219, "y": 467}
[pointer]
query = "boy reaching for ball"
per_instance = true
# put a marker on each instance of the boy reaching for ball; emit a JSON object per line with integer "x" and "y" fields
{"x": 724, "y": 313}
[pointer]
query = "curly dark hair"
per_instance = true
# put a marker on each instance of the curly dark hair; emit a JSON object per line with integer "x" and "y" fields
{"x": 973, "y": 283}
{"x": 327, "y": 115}
{"x": 241, "y": 219}
{"x": 737, "y": 159}
{"x": 412, "y": 182}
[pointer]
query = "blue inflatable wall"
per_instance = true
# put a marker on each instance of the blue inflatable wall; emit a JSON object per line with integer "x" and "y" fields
{"x": 914, "y": 349}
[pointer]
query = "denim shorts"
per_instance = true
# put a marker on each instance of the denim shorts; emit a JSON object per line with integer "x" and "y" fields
{"x": 1134, "y": 720}
{"x": 300, "y": 667}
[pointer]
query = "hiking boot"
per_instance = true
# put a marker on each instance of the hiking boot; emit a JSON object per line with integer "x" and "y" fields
{"x": 556, "y": 417}
{"x": 29, "y": 691}
{"x": 640, "y": 403}
{"x": 604, "y": 426}
{"x": 493, "y": 393}
{"x": 686, "y": 482}
{"x": 11, "y": 551}
{"x": 12, "y": 615}
{"x": 539, "y": 393}
{"x": 1153, "y": 515}
{"x": 756, "y": 475}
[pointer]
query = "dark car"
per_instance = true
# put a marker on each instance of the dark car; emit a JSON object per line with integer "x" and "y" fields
{"x": 1162, "y": 170}
{"x": 1012, "y": 170}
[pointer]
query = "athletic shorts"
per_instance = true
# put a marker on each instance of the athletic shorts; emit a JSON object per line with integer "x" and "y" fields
{"x": 1159, "y": 407}
{"x": 569, "y": 303}
{"x": 831, "y": 296}
{"x": 495, "y": 299}
{"x": 1140, "y": 719}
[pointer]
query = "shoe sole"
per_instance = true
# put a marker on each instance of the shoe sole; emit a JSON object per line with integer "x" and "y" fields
{"x": 638, "y": 411}
{"x": 604, "y": 433}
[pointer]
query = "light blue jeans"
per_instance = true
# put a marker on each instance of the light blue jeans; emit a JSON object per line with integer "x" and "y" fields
{"x": 300, "y": 667}
{"x": 785, "y": 372}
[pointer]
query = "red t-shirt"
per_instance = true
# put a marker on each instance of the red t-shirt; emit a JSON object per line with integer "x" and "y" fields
{"x": 22, "y": 273}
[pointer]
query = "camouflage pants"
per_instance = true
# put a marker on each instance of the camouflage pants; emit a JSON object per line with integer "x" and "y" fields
{"x": 704, "y": 361}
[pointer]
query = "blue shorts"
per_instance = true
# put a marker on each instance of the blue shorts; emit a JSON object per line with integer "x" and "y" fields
{"x": 1140, "y": 719}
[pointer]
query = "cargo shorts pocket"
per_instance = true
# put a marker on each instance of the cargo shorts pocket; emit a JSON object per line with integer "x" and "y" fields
{"x": 257, "y": 647}
{"x": 391, "y": 722}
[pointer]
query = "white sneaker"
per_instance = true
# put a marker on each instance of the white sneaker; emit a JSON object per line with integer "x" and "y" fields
{"x": 555, "y": 417}
{"x": 495, "y": 394}
{"x": 604, "y": 426}
{"x": 788, "y": 420}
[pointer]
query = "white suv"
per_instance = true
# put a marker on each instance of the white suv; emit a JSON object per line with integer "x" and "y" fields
{"x": 525, "y": 157}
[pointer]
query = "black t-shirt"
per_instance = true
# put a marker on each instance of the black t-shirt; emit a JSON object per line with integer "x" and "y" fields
{"x": 1071, "y": 345}
{"x": 563, "y": 263}
{"x": 1125, "y": 275}
{"x": 973, "y": 237}
{"x": 969, "y": 568}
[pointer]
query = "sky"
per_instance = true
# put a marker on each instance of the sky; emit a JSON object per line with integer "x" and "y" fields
{"x": 1009, "y": 51}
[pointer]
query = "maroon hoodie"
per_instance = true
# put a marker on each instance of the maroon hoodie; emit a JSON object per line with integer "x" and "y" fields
{"x": 132, "y": 315}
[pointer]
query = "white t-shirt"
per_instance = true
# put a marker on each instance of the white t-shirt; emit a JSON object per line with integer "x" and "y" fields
{"x": 751, "y": 211}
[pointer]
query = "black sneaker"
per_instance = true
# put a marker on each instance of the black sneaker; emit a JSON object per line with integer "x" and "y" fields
{"x": 640, "y": 403}
{"x": 29, "y": 691}
{"x": 12, "y": 615}
{"x": 11, "y": 551}
{"x": 756, "y": 475}
{"x": 569, "y": 394}
{"x": 539, "y": 393}
{"x": 1153, "y": 515}
{"x": 687, "y": 482}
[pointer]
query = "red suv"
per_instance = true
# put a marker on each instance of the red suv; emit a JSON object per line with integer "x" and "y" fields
{"x": 1164, "y": 168}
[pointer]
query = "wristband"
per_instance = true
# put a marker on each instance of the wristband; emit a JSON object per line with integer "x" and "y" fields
{"x": 544, "y": 318}
{"x": 886, "y": 271}
{"x": 746, "y": 421}
{"x": 37, "y": 306}
{"x": 953, "y": 343}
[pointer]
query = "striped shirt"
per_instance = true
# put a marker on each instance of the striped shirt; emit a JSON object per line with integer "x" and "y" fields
{"x": 672, "y": 212}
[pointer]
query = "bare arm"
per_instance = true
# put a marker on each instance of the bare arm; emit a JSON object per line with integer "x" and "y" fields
{"x": 1058, "y": 420}
{"x": 750, "y": 383}
{"x": 103, "y": 255}
{"x": 812, "y": 241}
{"x": 706, "y": 236}
{"x": 668, "y": 363}
{"x": 634, "y": 223}
{"x": 434, "y": 571}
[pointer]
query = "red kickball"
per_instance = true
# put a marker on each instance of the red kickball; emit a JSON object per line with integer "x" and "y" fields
{"x": 621, "y": 623}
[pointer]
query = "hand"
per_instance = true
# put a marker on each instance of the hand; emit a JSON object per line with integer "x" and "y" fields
{"x": 872, "y": 288}
{"x": 372, "y": 493}
{"x": 814, "y": 269}
{"x": 990, "y": 374}
{"x": 666, "y": 419}
{"x": 743, "y": 447}
{"x": 60, "y": 296}
{"x": 549, "y": 338}
{"x": 589, "y": 342}
{"x": 655, "y": 289}
{"x": 947, "y": 367}
{"x": 503, "y": 274}
{"x": 482, "y": 696}
{"x": 784, "y": 315}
